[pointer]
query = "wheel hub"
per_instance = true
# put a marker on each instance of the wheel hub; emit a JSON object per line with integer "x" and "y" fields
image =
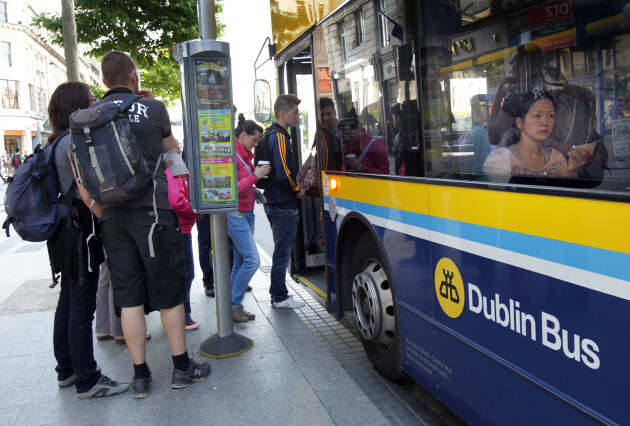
{"x": 372, "y": 302}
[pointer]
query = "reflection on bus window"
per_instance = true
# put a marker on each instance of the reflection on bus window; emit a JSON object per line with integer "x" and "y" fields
{"x": 363, "y": 151}
{"x": 584, "y": 69}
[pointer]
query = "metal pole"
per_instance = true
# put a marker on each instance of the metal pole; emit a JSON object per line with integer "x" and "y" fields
{"x": 207, "y": 20}
{"x": 221, "y": 258}
{"x": 225, "y": 343}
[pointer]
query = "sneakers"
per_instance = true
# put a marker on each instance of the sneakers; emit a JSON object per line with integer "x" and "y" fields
{"x": 191, "y": 325}
{"x": 241, "y": 315}
{"x": 288, "y": 303}
{"x": 121, "y": 339}
{"x": 141, "y": 388}
{"x": 196, "y": 371}
{"x": 104, "y": 387}
{"x": 66, "y": 383}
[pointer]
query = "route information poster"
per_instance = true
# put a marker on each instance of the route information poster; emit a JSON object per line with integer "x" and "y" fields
{"x": 218, "y": 183}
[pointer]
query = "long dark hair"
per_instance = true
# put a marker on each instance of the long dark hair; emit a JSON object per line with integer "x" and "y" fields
{"x": 66, "y": 99}
{"x": 248, "y": 126}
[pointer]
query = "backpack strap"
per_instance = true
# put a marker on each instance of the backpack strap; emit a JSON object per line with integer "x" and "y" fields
{"x": 155, "y": 210}
{"x": 367, "y": 148}
{"x": 128, "y": 101}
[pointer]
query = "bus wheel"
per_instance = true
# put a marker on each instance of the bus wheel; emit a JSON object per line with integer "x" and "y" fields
{"x": 373, "y": 306}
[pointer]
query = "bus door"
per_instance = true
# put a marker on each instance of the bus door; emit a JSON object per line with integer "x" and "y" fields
{"x": 307, "y": 259}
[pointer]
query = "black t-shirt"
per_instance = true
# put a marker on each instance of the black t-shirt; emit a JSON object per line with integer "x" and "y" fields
{"x": 150, "y": 124}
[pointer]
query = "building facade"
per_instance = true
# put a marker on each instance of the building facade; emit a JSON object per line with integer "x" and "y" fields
{"x": 30, "y": 70}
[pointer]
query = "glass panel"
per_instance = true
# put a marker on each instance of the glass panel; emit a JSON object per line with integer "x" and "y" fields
{"x": 3, "y": 11}
{"x": 591, "y": 62}
{"x": 356, "y": 122}
{"x": 507, "y": 99}
{"x": 579, "y": 64}
{"x": 9, "y": 94}
{"x": 622, "y": 51}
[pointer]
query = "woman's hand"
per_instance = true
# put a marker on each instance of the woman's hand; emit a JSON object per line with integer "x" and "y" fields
{"x": 353, "y": 164}
{"x": 262, "y": 171}
{"x": 578, "y": 156}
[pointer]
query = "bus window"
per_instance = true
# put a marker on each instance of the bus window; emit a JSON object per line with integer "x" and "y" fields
{"x": 484, "y": 80}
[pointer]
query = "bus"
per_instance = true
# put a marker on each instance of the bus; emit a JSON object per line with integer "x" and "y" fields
{"x": 483, "y": 257}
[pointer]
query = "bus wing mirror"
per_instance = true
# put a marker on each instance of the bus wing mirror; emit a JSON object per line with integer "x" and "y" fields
{"x": 262, "y": 101}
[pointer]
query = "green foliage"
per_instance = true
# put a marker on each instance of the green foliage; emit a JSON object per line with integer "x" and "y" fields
{"x": 146, "y": 29}
{"x": 99, "y": 91}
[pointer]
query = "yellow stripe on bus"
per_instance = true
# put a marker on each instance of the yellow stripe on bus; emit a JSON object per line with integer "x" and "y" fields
{"x": 593, "y": 223}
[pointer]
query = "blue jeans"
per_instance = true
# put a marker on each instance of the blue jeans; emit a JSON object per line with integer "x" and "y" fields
{"x": 204, "y": 239}
{"x": 246, "y": 260}
{"x": 190, "y": 272}
{"x": 284, "y": 224}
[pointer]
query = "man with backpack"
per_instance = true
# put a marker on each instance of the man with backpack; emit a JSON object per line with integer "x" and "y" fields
{"x": 282, "y": 196}
{"x": 17, "y": 159}
{"x": 142, "y": 237}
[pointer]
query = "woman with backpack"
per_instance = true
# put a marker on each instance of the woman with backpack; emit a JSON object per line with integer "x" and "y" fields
{"x": 76, "y": 251}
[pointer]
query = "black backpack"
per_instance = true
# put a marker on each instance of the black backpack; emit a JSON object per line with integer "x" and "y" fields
{"x": 32, "y": 200}
{"x": 261, "y": 153}
{"x": 105, "y": 153}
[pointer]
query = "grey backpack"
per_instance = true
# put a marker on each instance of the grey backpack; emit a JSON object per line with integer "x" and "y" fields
{"x": 105, "y": 153}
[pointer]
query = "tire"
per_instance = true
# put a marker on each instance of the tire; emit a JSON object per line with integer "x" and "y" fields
{"x": 373, "y": 303}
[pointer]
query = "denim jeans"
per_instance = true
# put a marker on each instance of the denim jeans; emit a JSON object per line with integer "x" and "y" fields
{"x": 204, "y": 240}
{"x": 190, "y": 272}
{"x": 246, "y": 260}
{"x": 284, "y": 224}
{"x": 72, "y": 330}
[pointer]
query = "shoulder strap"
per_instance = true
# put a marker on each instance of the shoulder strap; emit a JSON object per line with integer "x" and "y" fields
{"x": 367, "y": 148}
{"x": 129, "y": 100}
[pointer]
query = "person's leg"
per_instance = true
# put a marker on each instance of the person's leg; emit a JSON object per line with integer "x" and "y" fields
{"x": 284, "y": 224}
{"x": 124, "y": 239}
{"x": 61, "y": 343}
{"x": 115, "y": 325}
{"x": 173, "y": 324}
{"x": 204, "y": 241}
{"x": 102, "y": 320}
{"x": 134, "y": 327}
{"x": 246, "y": 259}
{"x": 190, "y": 273}
{"x": 82, "y": 307}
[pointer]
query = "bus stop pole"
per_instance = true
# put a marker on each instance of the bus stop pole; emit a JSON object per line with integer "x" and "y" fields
{"x": 225, "y": 343}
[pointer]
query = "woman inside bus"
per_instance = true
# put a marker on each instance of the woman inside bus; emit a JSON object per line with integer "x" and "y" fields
{"x": 362, "y": 152}
{"x": 241, "y": 223}
{"x": 535, "y": 120}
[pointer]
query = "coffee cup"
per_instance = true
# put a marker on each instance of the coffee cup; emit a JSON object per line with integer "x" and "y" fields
{"x": 264, "y": 163}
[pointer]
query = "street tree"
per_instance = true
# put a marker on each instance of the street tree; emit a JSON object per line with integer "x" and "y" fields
{"x": 70, "y": 40}
{"x": 146, "y": 29}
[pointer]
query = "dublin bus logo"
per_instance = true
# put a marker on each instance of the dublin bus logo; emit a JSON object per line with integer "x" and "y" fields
{"x": 447, "y": 289}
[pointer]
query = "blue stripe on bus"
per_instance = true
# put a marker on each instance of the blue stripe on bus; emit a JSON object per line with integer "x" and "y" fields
{"x": 605, "y": 262}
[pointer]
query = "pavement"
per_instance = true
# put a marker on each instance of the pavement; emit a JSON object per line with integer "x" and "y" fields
{"x": 304, "y": 367}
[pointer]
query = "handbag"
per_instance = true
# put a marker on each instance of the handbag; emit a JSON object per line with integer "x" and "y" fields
{"x": 308, "y": 177}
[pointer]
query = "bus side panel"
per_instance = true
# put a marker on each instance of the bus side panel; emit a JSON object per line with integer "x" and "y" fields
{"x": 563, "y": 334}
{"x": 330, "y": 228}
{"x": 476, "y": 387}
{"x": 410, "y": 262}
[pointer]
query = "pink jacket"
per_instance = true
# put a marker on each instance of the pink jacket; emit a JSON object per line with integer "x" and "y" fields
{"x": 246, "y": 179}
{"x": 178, "y": 198}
